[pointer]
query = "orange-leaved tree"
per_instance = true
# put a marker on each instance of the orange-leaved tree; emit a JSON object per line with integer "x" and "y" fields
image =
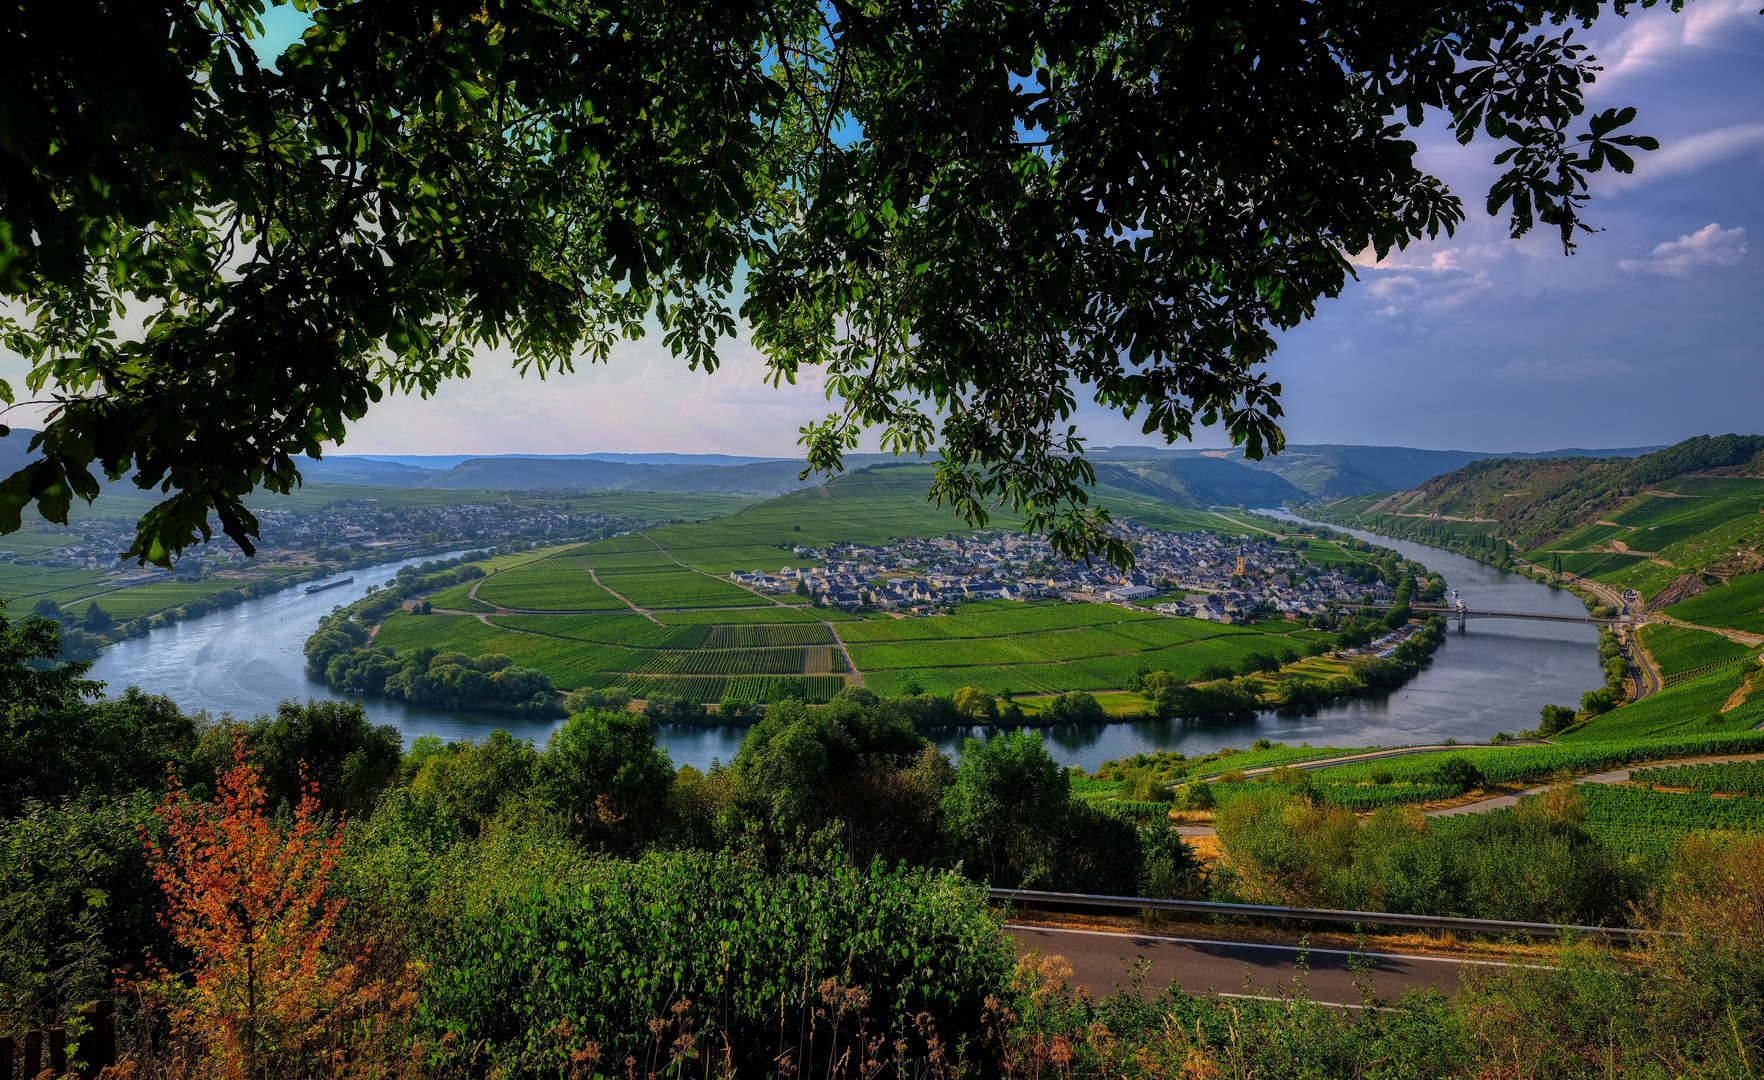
{"x": 247, "y": 897}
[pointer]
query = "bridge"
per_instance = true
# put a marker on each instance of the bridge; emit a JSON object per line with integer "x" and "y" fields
{"x": 1464, "y": 613}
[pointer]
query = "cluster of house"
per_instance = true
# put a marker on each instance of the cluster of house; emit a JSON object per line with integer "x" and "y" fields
{"x": 1232, "y": 575}
{"x": 366, "y": 525}
{"x": 353, "y": 525}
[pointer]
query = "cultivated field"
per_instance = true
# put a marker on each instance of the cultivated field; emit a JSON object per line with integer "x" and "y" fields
{"x": 680, "y": 628}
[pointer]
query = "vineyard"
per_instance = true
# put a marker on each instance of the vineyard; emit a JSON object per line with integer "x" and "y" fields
{"x": 1690, "y": 707}
{"x": 1652, "y": 823}
{"x": 1533, "y": 764}
{"x": 1724, "y": 778}
{"x": 1738, "y": 604}
{"x": 1679, "y": 650}
{"x": 1354, "y": 796}
{"x": 730, "y": 637}
{"x": 816, "y": 689}
{"x": 554, "y": 584}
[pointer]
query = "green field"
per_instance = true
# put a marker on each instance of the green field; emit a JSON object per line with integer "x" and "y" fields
{"x": 701, "y": 636}
{"x": 1651, "y": 823}
{"x": 554, "y": 584}
{"x": 1677, "y": 649}
{"x": 155, "y": 596}
{"x": 1725, "y": 778}
{"x": 1738, "y": 605}
{"x": 1687, "y": 708}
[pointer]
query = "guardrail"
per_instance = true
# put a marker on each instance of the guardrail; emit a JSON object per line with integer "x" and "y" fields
{"x": 1368, "y": 918}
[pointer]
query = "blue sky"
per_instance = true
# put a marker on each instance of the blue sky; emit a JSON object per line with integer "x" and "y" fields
{"x": 1651, "y": 333}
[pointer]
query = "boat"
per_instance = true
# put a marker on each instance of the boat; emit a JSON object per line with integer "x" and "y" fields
{"x": 331, "y": 584}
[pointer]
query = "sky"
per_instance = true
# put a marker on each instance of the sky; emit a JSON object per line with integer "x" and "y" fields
{"x": 1650, "y": 333}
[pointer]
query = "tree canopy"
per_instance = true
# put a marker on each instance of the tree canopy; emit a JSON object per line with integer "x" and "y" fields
{"x": 966, "y": 213}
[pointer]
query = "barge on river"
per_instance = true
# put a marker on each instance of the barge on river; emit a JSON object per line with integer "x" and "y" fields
{"x": 331, "y": 584}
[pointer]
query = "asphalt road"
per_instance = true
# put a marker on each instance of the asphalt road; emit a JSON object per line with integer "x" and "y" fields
{"x": 1101, "y": 960}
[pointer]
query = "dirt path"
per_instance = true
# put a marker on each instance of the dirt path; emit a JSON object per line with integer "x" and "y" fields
{"x": 1740, "y": 636}
{"x": 857, "y": 677}
{"x": 1615, "y": 776}
{"x": 592, "y": 576}
{"x": 772, "y": 601}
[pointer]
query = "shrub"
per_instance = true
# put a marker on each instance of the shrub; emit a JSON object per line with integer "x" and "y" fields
{"x": 1460, "y": 773}
{"x": 1195, "y": 795}
{"x": 718, "y": 950}
{"x": 1143, "y": 785}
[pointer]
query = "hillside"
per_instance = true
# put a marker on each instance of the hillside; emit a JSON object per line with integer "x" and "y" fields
{"x": 1675, "y": 521}
{"x": 1328, "y": 470}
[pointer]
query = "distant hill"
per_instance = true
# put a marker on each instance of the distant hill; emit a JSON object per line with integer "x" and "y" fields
{"x": 1691, "y": 510}
{"x": 1329, "y": 471}
{"x": 443, "y": 462}
{"x": 1184, "y": 477}
{"x": 523, "y": 474}
{"x": 1201, "y": 482}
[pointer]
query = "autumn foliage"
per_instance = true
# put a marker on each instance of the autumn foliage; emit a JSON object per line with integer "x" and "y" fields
{"x": 246, "y": 896}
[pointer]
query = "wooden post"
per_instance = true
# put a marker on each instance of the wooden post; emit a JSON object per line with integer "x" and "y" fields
{"x": 98, "y": 1048}
{"x": 58, "y": 1050}
{"x": 33, "y": 1055}
{"x": 6, "y": 1052}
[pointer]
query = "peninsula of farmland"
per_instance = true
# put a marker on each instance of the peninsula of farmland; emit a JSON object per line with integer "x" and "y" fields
{"x": 705, "y": 611}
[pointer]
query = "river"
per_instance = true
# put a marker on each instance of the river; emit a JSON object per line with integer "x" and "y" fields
{"x": 1496, "y": 677}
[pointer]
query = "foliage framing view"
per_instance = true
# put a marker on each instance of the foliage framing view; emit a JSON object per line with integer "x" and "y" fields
{"x": 962, "y": 211}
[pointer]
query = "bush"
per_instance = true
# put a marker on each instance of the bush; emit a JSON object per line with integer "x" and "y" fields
{"x": 1459, "y": 773}
{"x": 1143, "y": 785}
{"x": 716, "y": 947}
{"x": 1195, "y": 795}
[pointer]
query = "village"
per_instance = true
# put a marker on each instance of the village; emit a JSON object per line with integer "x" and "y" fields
{"x": 345, "y": 531}
{"x": 1200, "y": 575}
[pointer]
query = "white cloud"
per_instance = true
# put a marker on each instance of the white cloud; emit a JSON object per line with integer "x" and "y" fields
{"x": 1679, "y": 157}
{"x": 643, "y": 400}
{"x": 1445, "y": 288}
{"x": 1710, "y": 245}
{"x": 1649, "y": 39}
{"x": 1561, "y": 371}
{"x": 1396, "y": 285}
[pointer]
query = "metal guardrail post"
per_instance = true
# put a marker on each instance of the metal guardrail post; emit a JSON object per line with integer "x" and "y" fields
{"x": 1369, "y": 918}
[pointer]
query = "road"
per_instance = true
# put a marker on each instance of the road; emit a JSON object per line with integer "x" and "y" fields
{"x": 1102, "y": 959}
